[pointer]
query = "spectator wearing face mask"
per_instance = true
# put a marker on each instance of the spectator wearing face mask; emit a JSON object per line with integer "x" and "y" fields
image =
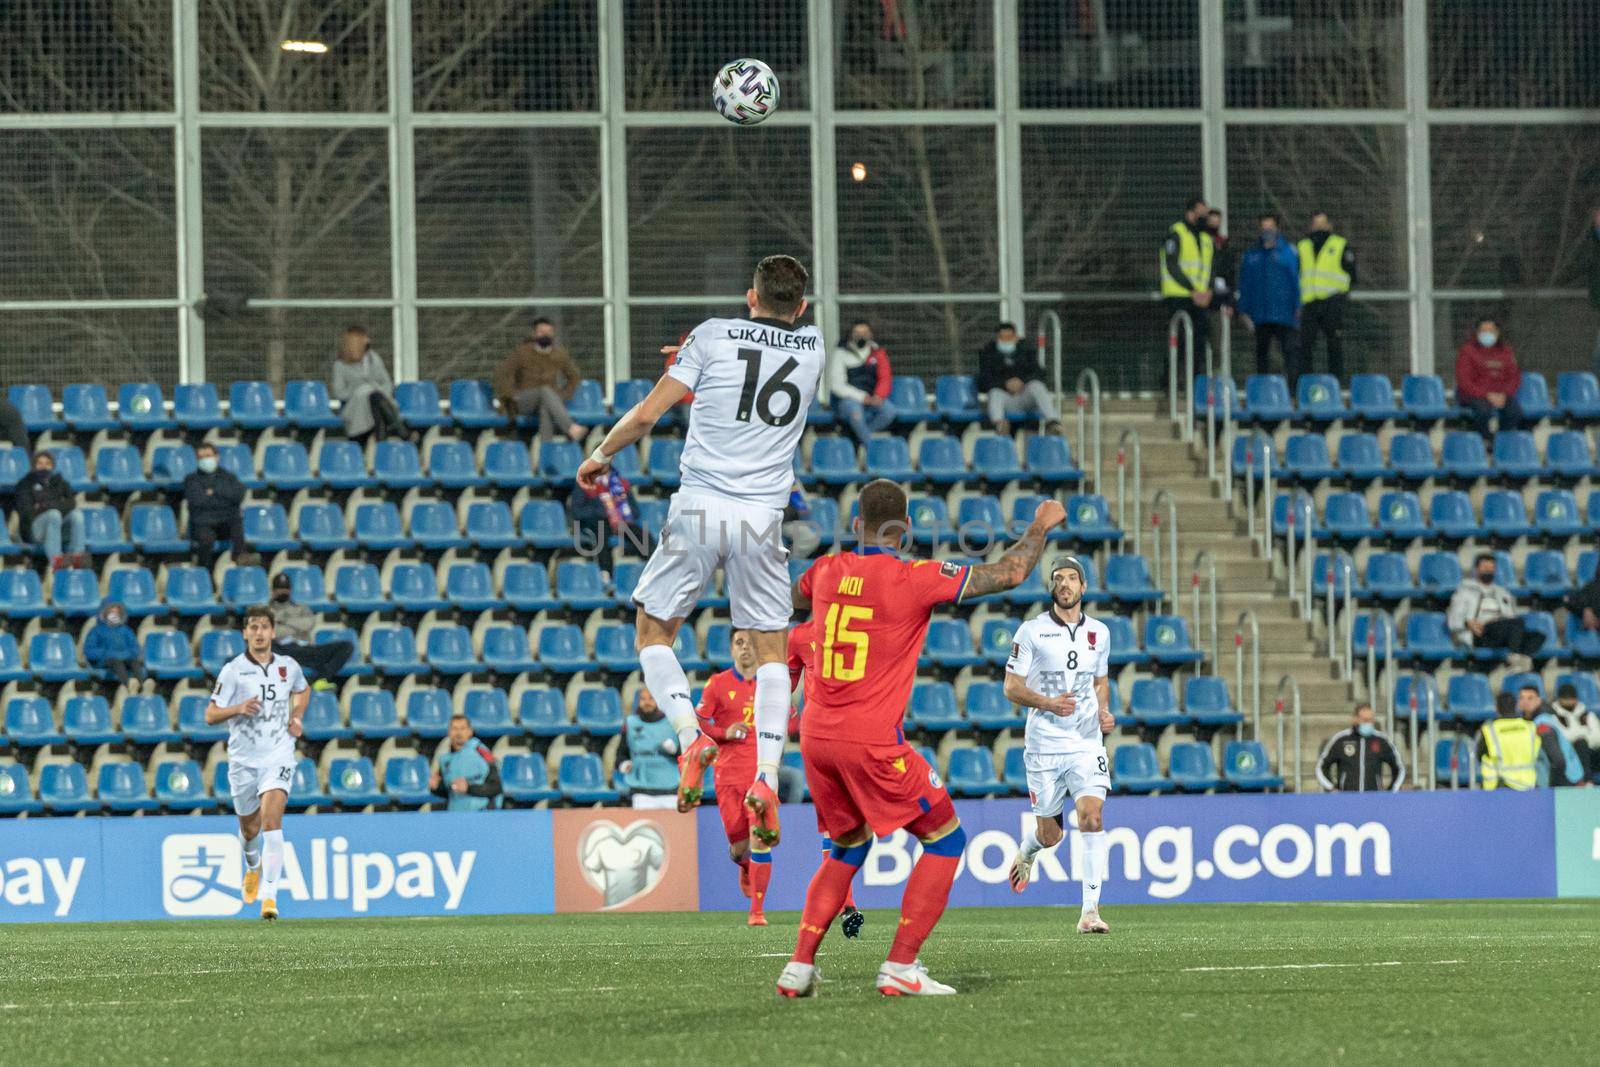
{"x": 539, "y": 379}
{"x": 1354, "y": 759}
{"x": 1008, "y": 380}
{"x": 1327, "y": 271}
{"x": 1580, "y": 726}
{"x": 46, "y": 505}
{"x": 859, "y": 380}
{"x": 1567, "y": 770}
{"x": 1269, "y": 299}
{"x": 214, "y": 497}
{"x": 1487, "y": 378}
{"x": 113, "y": 647}
{"x": 294, "y": 635}
{"x": 1484, "y": 615}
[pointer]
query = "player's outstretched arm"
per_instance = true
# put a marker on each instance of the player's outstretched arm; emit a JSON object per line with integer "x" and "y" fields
{"x": 1013, "y": 568}
{"x": 640, "y": 420}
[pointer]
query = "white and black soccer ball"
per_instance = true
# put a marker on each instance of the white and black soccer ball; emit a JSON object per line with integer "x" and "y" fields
{"x": 745, "y": 92}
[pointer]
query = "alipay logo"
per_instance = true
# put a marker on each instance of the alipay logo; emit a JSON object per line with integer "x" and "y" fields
{"x": 201, "y": 874}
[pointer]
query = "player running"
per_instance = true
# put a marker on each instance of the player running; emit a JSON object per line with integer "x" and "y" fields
{"x": 1057, "y": 671}
{"x": 753, "y": 380}
{"x": 802, "y": 655}
{"x": 727, "y": 716}
{"x": 262, "y": 696}
{"x": 873, "y": 610}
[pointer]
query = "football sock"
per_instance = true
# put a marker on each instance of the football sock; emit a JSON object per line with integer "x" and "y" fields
{"x": 927, "y": 893}
{"x": 1094, "y": 868}
{"x": 1030, "y": 842}
{"x": 760, "y": 875}
{"x": 272, "y": 862}
{"x": 825, "y": 896}
{"x": 772, "y": 719}
{"x": 665, "y": 679}
{"x": 252, "y": 852}
{"x": 850, "y": 891}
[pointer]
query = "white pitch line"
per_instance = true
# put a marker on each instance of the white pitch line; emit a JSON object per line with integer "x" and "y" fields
{"x": 1319, "y": 966}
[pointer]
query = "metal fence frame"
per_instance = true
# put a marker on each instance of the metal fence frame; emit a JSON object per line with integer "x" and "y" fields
{"x": 188, "y": 124}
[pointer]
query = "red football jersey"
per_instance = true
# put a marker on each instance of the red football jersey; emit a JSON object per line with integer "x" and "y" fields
{"x": 871, "y": 612}
{"x": 728, "y": 699}
{"x": 802, "y": 657}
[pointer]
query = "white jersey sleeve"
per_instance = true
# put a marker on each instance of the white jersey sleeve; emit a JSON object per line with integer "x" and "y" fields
{"x": 1103, "y": 666}
{"x": 690, "y": 360}
{"x": 297, "y": 676}
{"x": 1021, "y": 652}
{"x": 225, "y": 693}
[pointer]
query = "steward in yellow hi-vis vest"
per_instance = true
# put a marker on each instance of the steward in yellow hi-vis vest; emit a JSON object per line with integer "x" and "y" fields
{"x": 1327, "y": 271}
{"x": 1508, "y": 752}
{"x": 1185, "y": 263}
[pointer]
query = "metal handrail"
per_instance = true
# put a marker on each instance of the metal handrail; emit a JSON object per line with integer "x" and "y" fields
{"x": 1349, "y": 642}
{"x": 1172, "y": 372}
{"x": 1053, "y": 320}
{"x": 1373, "y": 676}
{"x": 1248, "y": 616}
{"x": 1093, "y": 400}
{"x": 1249, "y": 486}
{"x": 1210, "y": 562}
{"x": 1172, "y": 538}
{"x": 1226, "y": 371}
{"x": 1308, "y": 556}
{"x": 1288, "y": 521}
{"x": 1330, "y": 598}
{"x": 1294, "y": 693}
{"x": 1433, "y": 737}
{"x": 1130, "y": 434}
{"x": 1211, "y": 418}
{"x": 1266, "y": 498}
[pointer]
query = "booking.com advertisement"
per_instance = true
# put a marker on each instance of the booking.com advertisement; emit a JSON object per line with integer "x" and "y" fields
{"x": 443, "y": 863}
{"x": 1261, "y": 847}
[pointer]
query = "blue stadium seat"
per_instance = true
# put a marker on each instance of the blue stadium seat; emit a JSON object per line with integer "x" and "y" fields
{"x": 53, "y": 657}
{"x": 1014, "y": 772}
{"x": 470, "y": 587}
{"x": 1303, "y": 513}
{"x": 1388, "y": 577}
{"x": 1089, "y": 519}
{"x": 1319, "y": 398}
{"x": 141, "y": 406}
{"x": 526, "y": 587}
{"x": 580, "y": 586}
{"x": 451, "y": 465}
{"x": 239, "y": 460}
{"x": 306, "y": 405}
{"x": 168, "y": 656}
{"x": 994, "y": 639}
{"x": 120, "y": 469}
{"x": 1136, "y": 769}
{"x": 393, "y": 651}
{"x": 1049, "y": 460}
{"x": 405, "y": 781}
{"x": 352, "y": 782}
{"x": 988, "y": 708}
{"x": 16, "y": 794}
{"x": 170, "y": 464}
{"x": 1438, "y": 574}
{"x": 86, "y": 408}
{"x": 357, "y": 588}
{"x": 1345, "y": 517}
{"x": 1450, "y": 516}
{"x": 30, "y": 722}
{"x": 14, "y": 463}
{"x": 396, "y": 465}
{"x": 1411, "y": 457}
{"x": 321, "y": 527}
{"x": 306, "y": 790}
{"x": 543, "y": 713}
{"x": 414, "y": 587}
{"x": 1125, "y": 647}
{"x": 1246, "y": 767}
{"x": 629, "y": 392}
{"x": 930, "y": 520}
{"x": 663, "y": 464}
{"x": 910, "y": 399}
{"x": 23, "y": 594}
{"x": 135, "y": 589}
{"x": 490, "y": 714}
{"x": 614, "y": 647}
{"x": 449, "y": 650}
{"x": 1469, "y": 698}
{"x": 71, "y": 465}
{"x": 1266, "y": 398}
{"x": 889, "y": 457}
{"x": 1250, "y": 454}
{"x": 1515, "y": 456}
{"x": 154, "y": 529}
{"x": 971, "y": 774}
{"x": 195, "y": 406}
{"x": 719, "y": 638}
{"x": 933, "y": 707}
{"x": 833, "y": 461}
{"x": 120, "y": 787}
{"x": 427, "y": 712}
{"x": 543, "y": 524}
{"x": 64, "y": 789}
{"x": 1166, "y": 640}
{"x": 525, "y": 780}
{"x": 1426, "y": 693}
{"x": 472, "y": 405}
{"x": 145, "y": 720}
{"x": 1422, "y": 396}
{"x": 490, "y": 525}
{"x": 1225, "y": 394}
{"x": 1128, "y": 580}
{"x": 506, "y": 650}
{"x": 1400, "y": 516}
{"x": 1453, "y": 762}
{"x": 939, "y": 459}
{"x": 1533, "y": 396}
{"x": 956, "y": 399}
{"x": 1154, "y": 703}
{"x": 1556, "y": 514}
{"x": 1504, "y": 514}
{"x": 1585, "y": 644}
{"x": 74, "y": 593}
{"x": 581, "y": 779}
{"x": 599, "y": 712}
{"x": 266, "y": 528}
{"x": 217, "y": 647}
{"x": 1567, "y": 455}
{"x": 419, "y": 404}
{"x": 102, "y": 530}
{"x": 378, "y": 527}
{"x": 37, "y": 408}
{"x": 994, "y": 459}
{"x": 561, "y": 649}
{"x": 588, "y": 404}
{"x": 341, "y": 465}
{"x": 1193, "y": 767}
{"x": 1463, "y": 456}
{"x": 1359, "y": 458}
{"x": 433, "y": 526}
{"x": 1542, "y": 622}
{"x": 181, "y": 786}
{"x": 86, "y": 720}
{"x": 1578, "y": 395}
{"x": 507, "y": 464}
{"x": 1506, "y": 573}
{"x": 559, "y": 462}
{"x": 252, "y": 406}
{"x": 1337, "y": 569}
{"x": 1376, "y": 628}
{"x": 1545, "y": 574}
{"x": 1306, "y": 458}
{"x": 374, "y": 715}
{"x": 1372, "y": 398}
{"x": 1427, "y": 640}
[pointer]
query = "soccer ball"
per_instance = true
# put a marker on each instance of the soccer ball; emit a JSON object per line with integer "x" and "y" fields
{"x": 745, "y": 92}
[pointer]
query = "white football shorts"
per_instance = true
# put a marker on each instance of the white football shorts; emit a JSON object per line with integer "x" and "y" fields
{"x": 248, "y": 783}
{"x": 705, "y": 532}
{"x": 1054, "y": 778}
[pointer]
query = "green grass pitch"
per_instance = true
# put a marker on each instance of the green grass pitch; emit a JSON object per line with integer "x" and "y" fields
{"x": 1485, "y": 982}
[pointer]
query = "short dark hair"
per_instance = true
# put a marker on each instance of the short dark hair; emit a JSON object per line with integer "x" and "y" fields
{"x": 1217, "y": 211}
{"x": 1530, "y": 689}
{"x": 1320, "y": 214}
{"x": 882, "y": 505}
{"x": 1363, "y": 704}
{"x": 1007, "y": 326}
{"x": 780, "y": 284}
{"x": 1194, "y": 203}
{"x": 1273, "y": 216}
{"x": 1480, "y": 559}
{"x": 259, "y": 611}
{"x": 1505, "y": 703}
{"x": 356, "y": 327}
{"x": 201, "y": 446}
{"x": 463, "y": 718}
{"x": 1490, "y": 319}
{"x": 1566, "y": 691}
{"x": 542, "y": 321}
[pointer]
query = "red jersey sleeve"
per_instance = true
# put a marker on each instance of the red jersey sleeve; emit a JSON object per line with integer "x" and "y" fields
{"x": 709, "y": 713}
{"x": 800, "y": 639}
{"x": 934, "y": 582}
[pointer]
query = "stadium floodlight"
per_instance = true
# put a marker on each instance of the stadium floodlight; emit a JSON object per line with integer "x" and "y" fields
{"x": 858, "y": 171}
{"x": 314, "y": 48}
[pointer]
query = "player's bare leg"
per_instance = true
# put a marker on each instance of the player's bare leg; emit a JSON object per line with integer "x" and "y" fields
{"x": 927, "y": 892}
{"x": 772, "y": 723}
{"x": 824, "y": 896}
{"x": 250, "y": 831}
{"x": 271, "y": 813}
{"x": 1046, "y": 832}
{"x": 1093, "y": 833}
{"x": 664, "y": 677}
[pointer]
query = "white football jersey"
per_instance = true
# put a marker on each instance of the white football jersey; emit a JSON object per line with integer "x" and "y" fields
{"x": 263, "y": 738}
{"x": 753, "y": 382}
{"x": 1055, "y": 659}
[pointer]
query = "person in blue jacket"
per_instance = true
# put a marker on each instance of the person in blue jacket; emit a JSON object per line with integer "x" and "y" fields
{"x": 464, "y": 771}
{"x": 1269, "y": 298}
{"x": 113, "y": 647}
{"x": 1536, "y": 711}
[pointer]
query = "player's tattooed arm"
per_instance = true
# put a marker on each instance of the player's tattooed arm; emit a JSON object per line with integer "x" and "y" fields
{"x": 1017, "y": 691}
{"x": 1013, "y": 568}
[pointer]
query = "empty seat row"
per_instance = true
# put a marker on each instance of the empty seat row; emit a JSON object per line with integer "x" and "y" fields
{"x": 939, "y": 460}
{"x": 1387, "y": 576}
{"x": 1425, "y": 638}
{"x": 1422, "y": 398}
{"x": 1358, "y": 458}
{"x": 1451, "y": 516}
{"x": 1135, "y": 768}
{"x": 1467, "y": 698}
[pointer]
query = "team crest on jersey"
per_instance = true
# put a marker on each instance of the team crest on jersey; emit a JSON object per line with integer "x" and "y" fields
{"x": 1016, "y": 650}
{"x": 283, "y": 673}
{"x": 1349, "y": 748}
{"x": 1091, "y": 638}
{"x": 950, "y": 569}
{"x": 899, "y": 764}
{"x": 933, "y": 779}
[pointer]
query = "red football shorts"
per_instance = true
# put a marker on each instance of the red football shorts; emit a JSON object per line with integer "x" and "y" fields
{"x": 888, "y": 787}
{"x": 733, "y": 782}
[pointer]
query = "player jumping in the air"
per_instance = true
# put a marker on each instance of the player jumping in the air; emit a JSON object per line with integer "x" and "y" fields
{"x": 727, "y": 716}
{"x": 753, "y": 380}
{"x": 1057, "y": 671}
{"x": 262, "y": 696}
{"x": 872, "y": 609}
{"x": 802, "y": 655}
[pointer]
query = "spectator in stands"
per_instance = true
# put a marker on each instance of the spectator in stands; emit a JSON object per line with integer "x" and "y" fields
{"x": 12, "y": 429}
{"x": 113, "y": 647}
{"x": 859, "y": 380}
{"x": 214, "y": 497}
{"x": 610, "y": 511}
{"x": 1487, "y": 377}
{"x": 1564, "y": 769}
{"x": 651, "y": 740}
{"x": 1484, "y": 615}
{"x": 1327, "y": 271}
{"x": 464, "y": 771}
{"x": 1509, "y": 748}
{"x": 1591, "y": 250}
{"x": 539, "y": 379}
{"x": 1353, "y": 760}
{"x": 1188, "y": 260}
{"x": 1008, "y": 379}
{"x": 1580, "y": 726}
{"x": 294, "y": 635}
{"x": 361, "y": 383}
{"x": 45, "y": 504}
{"x": 1584, "y": 604}
{"x": 1269, "y": 298}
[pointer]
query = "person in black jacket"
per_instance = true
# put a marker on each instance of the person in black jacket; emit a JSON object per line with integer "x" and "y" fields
{"x": 1584, "y": 603}
{"x": 1354, "y": 758}
{"x": 214, "y": 496}
{"x": 1591, "y": 255}
{"x": 45, "y": 504}
{"x": 1008, "y": 380}
{"x": 12, "y": 429}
